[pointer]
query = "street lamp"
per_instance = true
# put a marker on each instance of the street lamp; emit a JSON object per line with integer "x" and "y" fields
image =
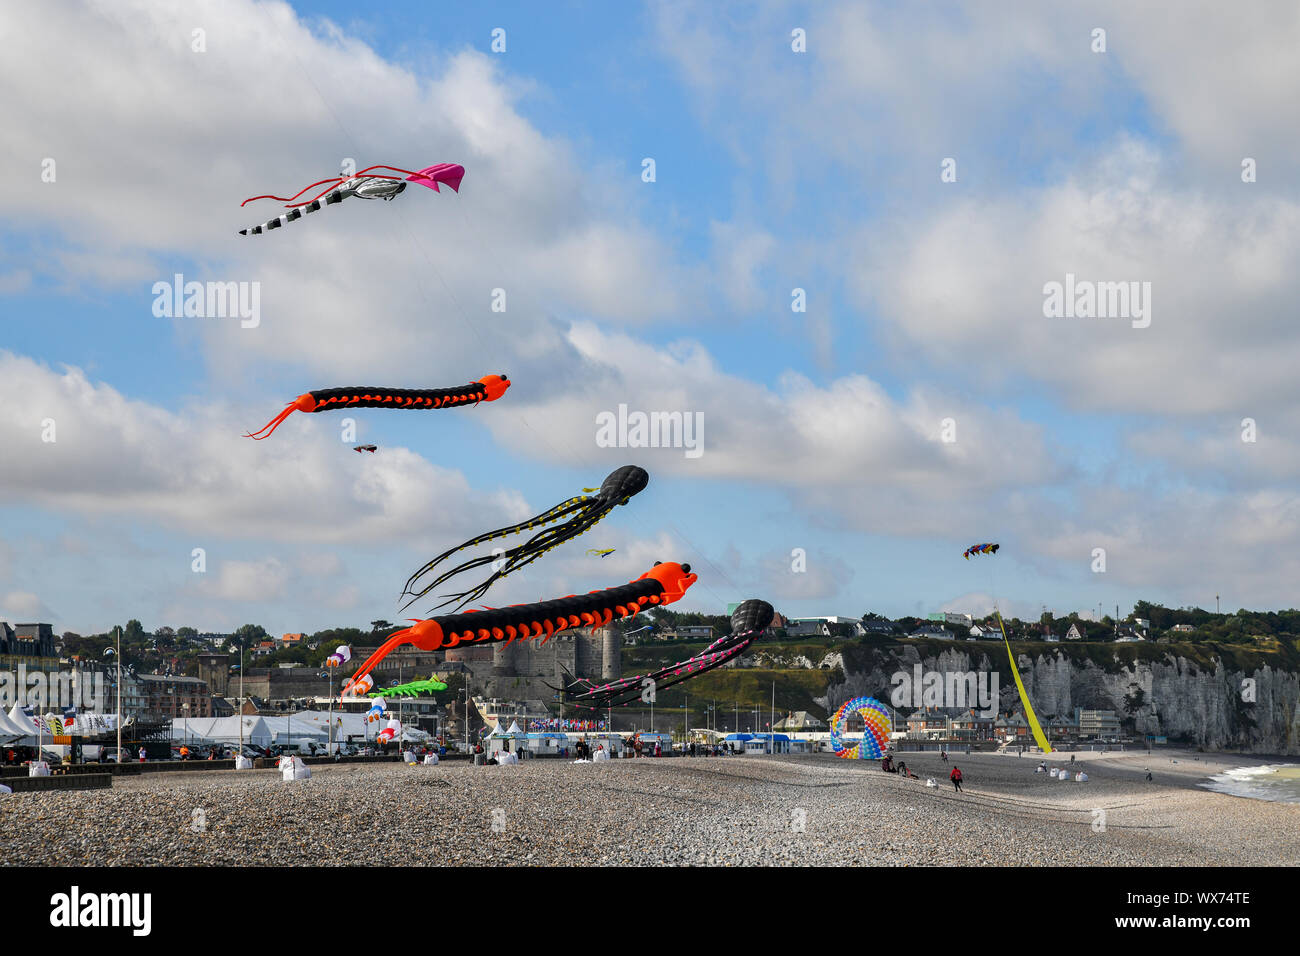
{"x": 118, "y": 655}
{"x": 241, "y": 698}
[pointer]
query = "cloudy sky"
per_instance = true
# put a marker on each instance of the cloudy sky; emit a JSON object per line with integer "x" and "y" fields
{"x": 915, "y": 176}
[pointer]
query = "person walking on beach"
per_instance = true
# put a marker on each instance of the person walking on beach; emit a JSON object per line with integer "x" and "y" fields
{"x": 944, "y": 755}
{"x": 955, "y": 777}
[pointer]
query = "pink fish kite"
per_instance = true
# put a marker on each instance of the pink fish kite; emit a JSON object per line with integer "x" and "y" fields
{"x": 364, "y": 185}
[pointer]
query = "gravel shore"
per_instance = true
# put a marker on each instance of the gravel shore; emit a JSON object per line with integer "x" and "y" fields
{"x": 672, "y": 811}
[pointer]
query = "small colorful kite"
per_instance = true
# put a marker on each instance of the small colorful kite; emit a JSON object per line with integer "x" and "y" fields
{"x": 342, "y": 654}
{"x": 416, "y": 688}
{"x": 357, "y": 686}
{"x": 487, "y": 389}
{"x": 662, "y": 584}
{"x": 601, "y": 552}
{"x": 584, "y": 511}
{"x": 370, "y": 448}
{"x": 393, "y": 729}
{"x": 875, "y": 730}
{"x": 748, "y": 622}
{"x": 363, "y": 185}
{"x": 980, "y": 549}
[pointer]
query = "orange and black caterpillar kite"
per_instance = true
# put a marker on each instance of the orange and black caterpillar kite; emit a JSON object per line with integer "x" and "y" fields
{"x": 584, "y": 511}
{"x": 487, "y": 389}
{"x": 748, "y": 622}
{"x": 662, "y": 584}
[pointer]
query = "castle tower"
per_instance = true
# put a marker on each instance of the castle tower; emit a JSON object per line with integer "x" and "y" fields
{"x": 611, "y": 663}
{"x": 215, "y": 670}
{"x": 502, "y": 660}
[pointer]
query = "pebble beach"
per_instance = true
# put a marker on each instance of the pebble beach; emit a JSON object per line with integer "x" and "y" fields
{"x": 734, "y": 811}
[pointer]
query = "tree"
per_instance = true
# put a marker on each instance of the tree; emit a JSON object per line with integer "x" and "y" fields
{"x": 249, "y": 635}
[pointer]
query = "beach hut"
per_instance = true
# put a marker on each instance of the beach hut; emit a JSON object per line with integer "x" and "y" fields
{"x": 759, "y": 743}
{"x": 736, "y": 742}
{"x": 649, "y": 739}
{"x": 511, "y": 740}
{"x": 613, "y": 743}
{"x": 548, "y": 744}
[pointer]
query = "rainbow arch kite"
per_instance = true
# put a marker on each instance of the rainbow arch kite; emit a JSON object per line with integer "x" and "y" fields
{"x": 875, "y": 732}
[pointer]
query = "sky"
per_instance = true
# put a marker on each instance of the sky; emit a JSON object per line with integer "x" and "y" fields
{"x": 825, "y": 231}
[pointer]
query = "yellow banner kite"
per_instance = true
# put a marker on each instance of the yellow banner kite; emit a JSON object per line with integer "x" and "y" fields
{"x": 1039, "y": 736}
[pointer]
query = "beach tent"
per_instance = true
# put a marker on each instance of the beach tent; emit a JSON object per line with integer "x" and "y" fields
{"x": 18, "y": 728}
{"x": 20, "y": 718}
{"x": 13, "y": 732}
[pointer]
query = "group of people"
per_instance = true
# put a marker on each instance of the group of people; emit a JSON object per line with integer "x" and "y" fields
{"x": 887, "y": 765}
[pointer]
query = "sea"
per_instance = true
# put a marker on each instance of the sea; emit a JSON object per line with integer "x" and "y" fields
{"x": 1278, "y": 783}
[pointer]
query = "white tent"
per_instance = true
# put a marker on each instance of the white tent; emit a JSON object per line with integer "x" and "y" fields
{"x": 18, "y": 727}
{"x": 301, "y": 729}
{"x": 345, "y": 725}
{"x": 221, "y": 730}
{"x": 12, "y": 732}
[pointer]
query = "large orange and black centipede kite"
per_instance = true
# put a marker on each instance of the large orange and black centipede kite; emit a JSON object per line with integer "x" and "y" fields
{"x": 487, "y": 389}
{"x": 663, "y": 584}
{"x": 582, "y": 513}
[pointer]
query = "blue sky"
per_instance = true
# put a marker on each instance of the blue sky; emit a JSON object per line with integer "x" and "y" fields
{"x": 774, "y": 170}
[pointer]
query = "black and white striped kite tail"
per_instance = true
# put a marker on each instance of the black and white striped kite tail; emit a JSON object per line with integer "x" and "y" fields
{"x": 333, "y": 196}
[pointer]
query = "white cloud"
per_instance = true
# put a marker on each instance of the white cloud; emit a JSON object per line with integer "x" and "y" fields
{"x": 193, "y": 471}
{"x": 24, "y": 606}
{"x": 251, "y": 581}
{"x": 968, "y": 286}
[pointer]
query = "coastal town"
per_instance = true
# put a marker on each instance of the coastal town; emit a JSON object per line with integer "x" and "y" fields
{"x": 212, "y": 691}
